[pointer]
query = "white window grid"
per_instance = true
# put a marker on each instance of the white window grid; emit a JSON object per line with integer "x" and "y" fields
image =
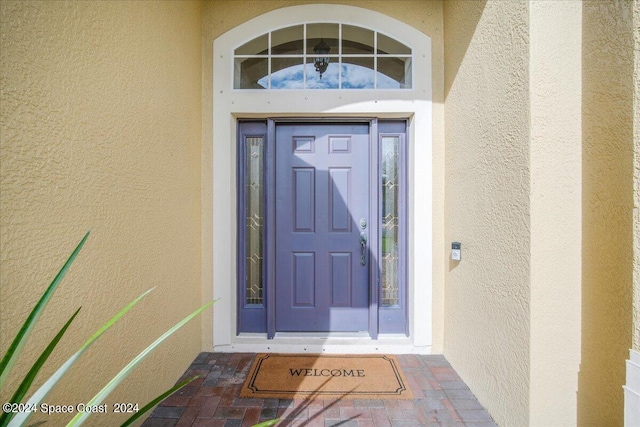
{"x": 305, "y": 56}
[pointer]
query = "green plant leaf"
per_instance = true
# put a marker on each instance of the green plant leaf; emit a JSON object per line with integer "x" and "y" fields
{"x": 157, "y": 400}
{"x": 31, "y": 375}
{"x": 267, "y": 423}
{"x": 15, "y": 348}
{"x": 102, "y": 394}
{"x": 42, "y": 392}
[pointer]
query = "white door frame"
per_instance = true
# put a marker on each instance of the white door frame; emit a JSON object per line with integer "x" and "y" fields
{"x": 414, "y": 104}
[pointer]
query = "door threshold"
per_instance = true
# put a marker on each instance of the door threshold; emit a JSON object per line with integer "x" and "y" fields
{"x": 352, "y": 344}
{"x": 322, "y": 335}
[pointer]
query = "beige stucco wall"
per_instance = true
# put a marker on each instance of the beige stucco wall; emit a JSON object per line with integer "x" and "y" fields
{"x": 539, "y": 190}
{"x": 636, "y": 168}
{"x": 555, "y": 64}
{"x": 221, "y": 16}
{"x": 106, "y": 112}
{"x": 101, "y": 126}
{"x": 487, "y": 202}
{"x": 607, "y": 269}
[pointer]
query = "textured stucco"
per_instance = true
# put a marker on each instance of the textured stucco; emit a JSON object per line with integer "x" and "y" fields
{"x": 539, "y": 177}
{"x": 636, "y": 169}
{"x": 221, "y": 16}
{"x": 556, "y": 210}
{"x": 101, "y": 129}
{"x": 607, "y": 243}
{"x": 486, "y": 335}
{"x": 106, "y": 123}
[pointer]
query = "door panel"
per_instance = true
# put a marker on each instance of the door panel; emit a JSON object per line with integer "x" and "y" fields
{"x": 339, "y": 217}
{"x": 340, "y": 270}
{"x": 303, "y": 195}
{"x": 304, "y": 284}
{"x": 322, "y": 194}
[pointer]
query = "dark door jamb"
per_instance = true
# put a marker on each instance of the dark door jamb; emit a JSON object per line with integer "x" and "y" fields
{"x": 270, "y": 237}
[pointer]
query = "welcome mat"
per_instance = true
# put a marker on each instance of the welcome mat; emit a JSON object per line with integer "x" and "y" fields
{"x": 307, "y": 376}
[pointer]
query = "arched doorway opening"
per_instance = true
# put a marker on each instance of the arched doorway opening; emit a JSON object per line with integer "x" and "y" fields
{"x": 282, "y": 68}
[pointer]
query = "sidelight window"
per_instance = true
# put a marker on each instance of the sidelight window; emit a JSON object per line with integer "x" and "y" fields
{"x": 254, "y": 219}
{"x": 390, "y": 220}
{"x": 393, "y": 226}
{"x": 252, "y": 144}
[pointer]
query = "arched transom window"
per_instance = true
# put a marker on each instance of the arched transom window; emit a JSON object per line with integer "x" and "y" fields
{"x": 323, "y": 56}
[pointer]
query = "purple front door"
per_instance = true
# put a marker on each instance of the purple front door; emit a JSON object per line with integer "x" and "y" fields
{"x": 322, "y": 227}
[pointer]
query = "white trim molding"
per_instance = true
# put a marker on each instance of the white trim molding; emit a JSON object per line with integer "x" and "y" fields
{"x": 632, "y": 391}
{"x": 230, "y": 104}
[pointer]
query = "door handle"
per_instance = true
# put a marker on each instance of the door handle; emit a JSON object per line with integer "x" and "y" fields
{"x": 363, "y": 246}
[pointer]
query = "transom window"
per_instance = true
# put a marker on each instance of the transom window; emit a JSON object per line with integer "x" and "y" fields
{"x": 322, "y": 56}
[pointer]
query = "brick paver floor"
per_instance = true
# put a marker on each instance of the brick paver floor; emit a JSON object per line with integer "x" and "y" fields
{"x": 441, "y": 398}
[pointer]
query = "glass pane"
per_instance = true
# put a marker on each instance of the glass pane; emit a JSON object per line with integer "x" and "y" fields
{"x": 287, "y": 41}
{"x": 394, "y": 73}
{"x": 254, "y": 219}
{"x": 390, "y": 221}
{"x": 294, "y": 65}
{"x": 257, "y": 46}
{"x": 328, "y": 80}
{"x": 287, "y": 73}
{"x": 327, "y": 32}
{"x": 250, "y": 73}
{"x": 356, "y": 40}
{"x": 389, "y": 45}
{"x": 357, "y": 73}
